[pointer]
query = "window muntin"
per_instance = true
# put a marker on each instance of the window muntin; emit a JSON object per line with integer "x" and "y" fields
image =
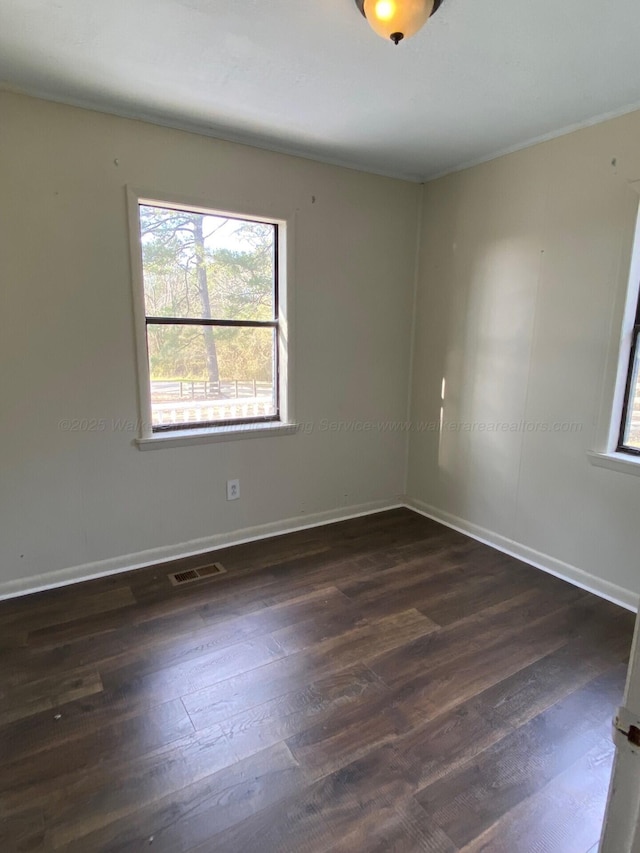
{"x": 629, "y": 440}
{"x": 211, "y": 314}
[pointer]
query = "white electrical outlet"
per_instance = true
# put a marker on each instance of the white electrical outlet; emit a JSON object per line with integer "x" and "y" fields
{"x": 233, "y": 490}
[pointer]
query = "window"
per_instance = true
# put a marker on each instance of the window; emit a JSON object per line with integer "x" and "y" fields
{"x": 629, "y": 441}
{"x": 209, "y": 304}
{"x": 617, "y": 435}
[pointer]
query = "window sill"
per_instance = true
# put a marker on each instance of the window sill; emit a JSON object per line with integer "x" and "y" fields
{"x": 182, "y": 438}
{"x": 626, "y": 463}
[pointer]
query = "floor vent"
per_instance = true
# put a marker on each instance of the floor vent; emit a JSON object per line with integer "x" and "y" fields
{"x": 192, "y": 575}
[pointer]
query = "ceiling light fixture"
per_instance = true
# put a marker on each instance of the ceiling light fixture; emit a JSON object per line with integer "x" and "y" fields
{"x": 397, "y": 19}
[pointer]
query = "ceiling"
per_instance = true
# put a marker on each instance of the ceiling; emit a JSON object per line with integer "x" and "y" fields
{"x": 309, "y": 77}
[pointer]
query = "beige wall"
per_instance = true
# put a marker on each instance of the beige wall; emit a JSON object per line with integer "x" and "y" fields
{"x": 67, "y": 347}
{"x": 523, "y": 271}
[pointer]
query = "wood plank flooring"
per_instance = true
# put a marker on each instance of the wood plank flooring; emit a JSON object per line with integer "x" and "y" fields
{"x": 381, "y": 685}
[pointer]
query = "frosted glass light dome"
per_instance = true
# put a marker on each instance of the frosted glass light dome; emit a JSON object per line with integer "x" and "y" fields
{"x": 397, "y": 19}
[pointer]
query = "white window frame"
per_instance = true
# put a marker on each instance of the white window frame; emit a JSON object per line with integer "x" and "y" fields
{"x": 606, "y": 453}
{"x": 148, "y": 439}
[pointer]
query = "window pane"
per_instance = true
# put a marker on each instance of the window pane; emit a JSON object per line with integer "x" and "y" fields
{"x": 202, "y": 374}
{"x": 204, "y": 266}
{"x": 632, "y": 427}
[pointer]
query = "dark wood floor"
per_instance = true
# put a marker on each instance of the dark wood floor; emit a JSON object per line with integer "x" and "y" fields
{"x": 380, "y": 685}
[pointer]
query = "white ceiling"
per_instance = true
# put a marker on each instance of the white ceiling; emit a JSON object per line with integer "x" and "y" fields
{"x": 311, "y": 78}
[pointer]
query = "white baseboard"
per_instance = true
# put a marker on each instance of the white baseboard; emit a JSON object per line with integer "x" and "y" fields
{"x": 117, "y": 565}
{"x": 578, "y": 577}
{"x": 90, "y": 571}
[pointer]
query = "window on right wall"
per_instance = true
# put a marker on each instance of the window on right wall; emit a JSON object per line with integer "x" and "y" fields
{"x": 629, "y": 439}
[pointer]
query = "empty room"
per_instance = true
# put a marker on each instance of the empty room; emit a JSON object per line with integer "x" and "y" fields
{"x": 319, "y": 426}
